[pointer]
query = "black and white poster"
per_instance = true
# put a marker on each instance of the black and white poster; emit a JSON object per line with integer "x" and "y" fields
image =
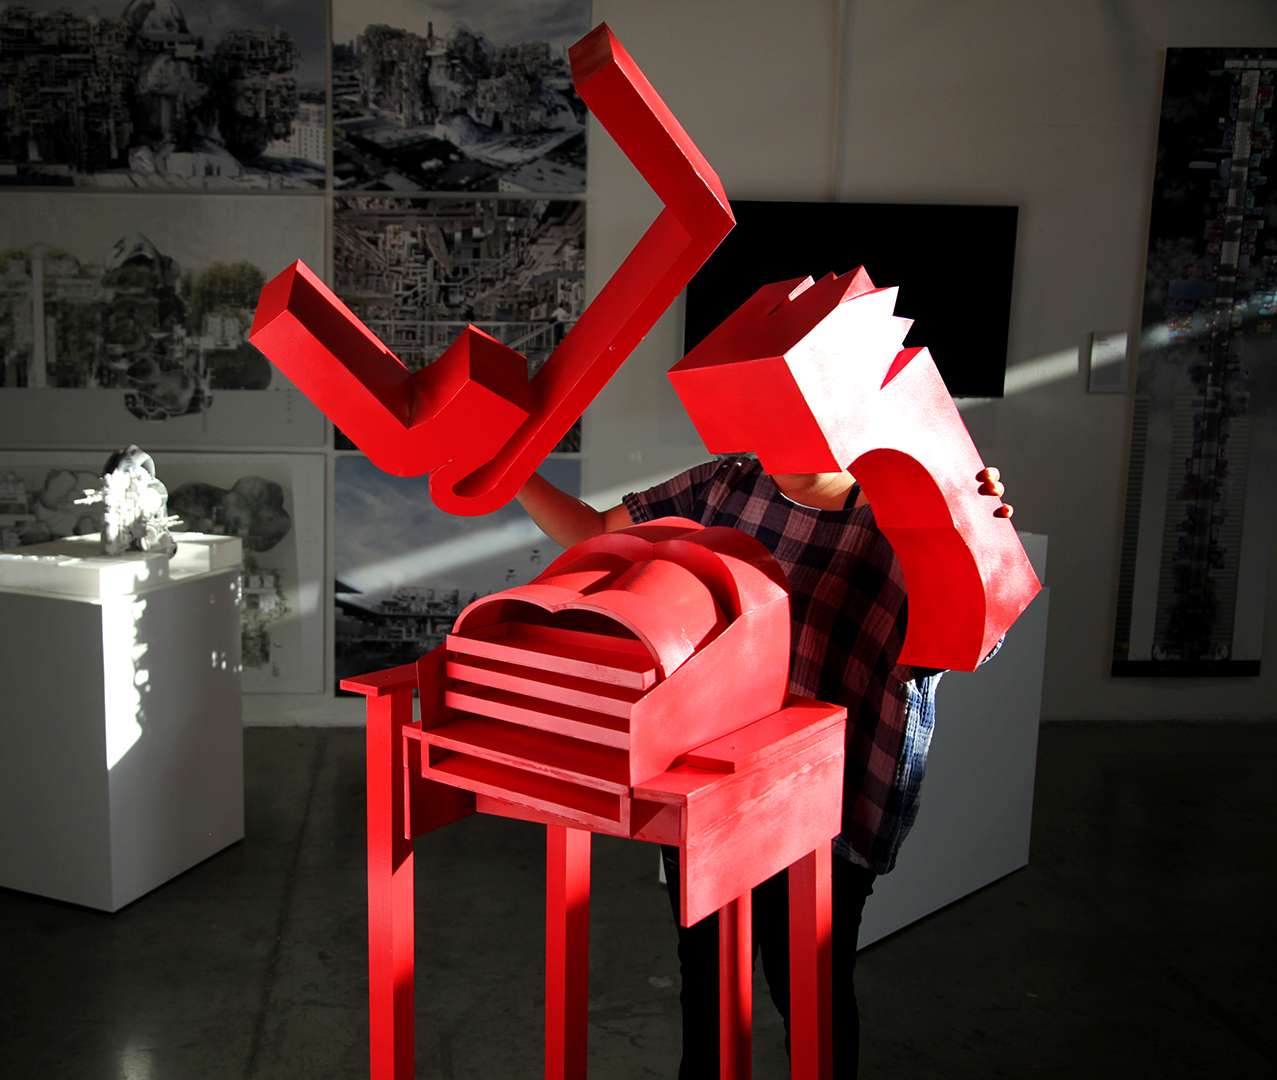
{"x": 405, "y": 569}
{"x": 273, "y": 502}
{"x": 125, "y": 318}
{"x": 149, "y": 95}
{"x": 457, "y": 95}
{"x": 1202, "y": 481}
{"x": 417, "y": 270}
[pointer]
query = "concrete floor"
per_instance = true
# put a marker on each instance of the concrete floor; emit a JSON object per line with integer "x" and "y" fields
{"x": 1139, "y": 942}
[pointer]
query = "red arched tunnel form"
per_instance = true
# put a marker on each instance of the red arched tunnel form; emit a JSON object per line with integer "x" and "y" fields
{"x": 812, "y": 377}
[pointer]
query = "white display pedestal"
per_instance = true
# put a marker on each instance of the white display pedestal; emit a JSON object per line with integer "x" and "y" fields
{"x": 121, "y": 742}
{"x": 976, "y": 807}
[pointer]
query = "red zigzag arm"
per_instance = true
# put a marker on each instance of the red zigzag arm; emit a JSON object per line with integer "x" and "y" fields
{"x": 471, "y": 419}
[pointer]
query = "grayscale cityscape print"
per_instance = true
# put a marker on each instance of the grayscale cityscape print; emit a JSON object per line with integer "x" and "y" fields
{"x": 142, "y": 94}
{"x": 132, "y": 318}
{"x": 141, "y": 304}
{"x": 405, "y": 569}
{"x": 457, "y": 95}
{"x": 417, "y": 270}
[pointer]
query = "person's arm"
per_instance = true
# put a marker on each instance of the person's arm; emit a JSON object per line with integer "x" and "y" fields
{"x": 566, "y": 520}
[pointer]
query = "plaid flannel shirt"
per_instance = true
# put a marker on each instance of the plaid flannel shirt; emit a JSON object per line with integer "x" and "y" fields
{"x": 848, "y": 615}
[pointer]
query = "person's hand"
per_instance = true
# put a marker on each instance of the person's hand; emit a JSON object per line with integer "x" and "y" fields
{"x": 990, "y": 484}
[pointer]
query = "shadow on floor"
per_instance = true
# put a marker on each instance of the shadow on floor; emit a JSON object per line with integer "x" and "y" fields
{"x": 1138, "y": 941}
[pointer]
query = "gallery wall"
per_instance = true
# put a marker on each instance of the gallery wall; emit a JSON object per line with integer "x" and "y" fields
{"x": 1052, "y": 106}
{"x": 158, "y": 165}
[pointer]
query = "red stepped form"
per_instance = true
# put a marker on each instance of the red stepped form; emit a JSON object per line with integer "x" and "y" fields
{"x": 636, "y": 688}
{"x": 471, "y": 419}
{"x": 668, "y": 604}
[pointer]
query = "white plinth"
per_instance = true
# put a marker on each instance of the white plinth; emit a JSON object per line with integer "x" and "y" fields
{"x": 977, "y": 796}
{"x": 121, "y": 745}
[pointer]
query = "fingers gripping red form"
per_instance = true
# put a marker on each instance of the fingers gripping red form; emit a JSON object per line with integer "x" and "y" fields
{"x": 472, "y": 419}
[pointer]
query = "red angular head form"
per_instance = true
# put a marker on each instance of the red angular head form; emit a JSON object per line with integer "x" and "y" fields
{"x": 812, "y": 377}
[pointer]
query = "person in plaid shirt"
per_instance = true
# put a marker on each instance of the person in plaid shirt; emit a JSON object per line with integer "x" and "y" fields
{"x": 848, "y": 615}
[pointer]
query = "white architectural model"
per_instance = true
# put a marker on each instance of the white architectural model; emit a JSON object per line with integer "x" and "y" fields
{"x": 137, "y": 517}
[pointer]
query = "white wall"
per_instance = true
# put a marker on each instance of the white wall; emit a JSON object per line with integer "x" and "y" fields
{"x": 1051, "y": 105}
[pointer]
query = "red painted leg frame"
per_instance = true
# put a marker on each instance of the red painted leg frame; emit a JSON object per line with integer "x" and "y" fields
{"x": 684, "y": 805}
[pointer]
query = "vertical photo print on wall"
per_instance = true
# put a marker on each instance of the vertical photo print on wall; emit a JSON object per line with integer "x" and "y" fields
{"x": 449, "y": 95}
{"x": 1202, "y": 479}
{"x": 125, "y": 318}
{"x": 416, "y": 271}
{"x": 406, "y": 569}
{"x": 146, "y": 95}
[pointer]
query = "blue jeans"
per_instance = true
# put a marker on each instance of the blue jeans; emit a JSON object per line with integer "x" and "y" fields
{"x": 698, "y": 962}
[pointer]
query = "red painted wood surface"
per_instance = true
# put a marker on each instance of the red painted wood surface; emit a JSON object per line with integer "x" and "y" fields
{"x": 391, "y": 943}
{"x": 736, "y": 989}
{"x": 813, "y": 377}
{"x": 431, "y": 805}
{"x": 471, "y": 419}
{"x": 567, "y": 952}
{"x": 541, "y": 685}
{"x": 699, "y": 615}
{"x": 593, "y": 727}
{"x": 428, "y": 805}
{"x": 633, "y": 690}
{"x": 740, "y": 828}
{"x": 588, "y": 656}
{"x": 811, "y": 1006}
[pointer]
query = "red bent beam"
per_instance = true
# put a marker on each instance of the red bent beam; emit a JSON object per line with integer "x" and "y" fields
{"x": 470, "y": 419}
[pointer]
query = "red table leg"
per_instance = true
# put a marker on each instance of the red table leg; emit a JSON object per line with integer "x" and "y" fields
{"x": 811, "y": 1007}
{"x": 567, "y": 951}
{"x": 736, "y": 988}
{"x": 390, "y": 892}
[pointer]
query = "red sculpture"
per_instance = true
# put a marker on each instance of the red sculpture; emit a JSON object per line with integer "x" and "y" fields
{"x": 636, "y": 688}
{"x": 812, "y": 377}
{"x": 471, "y": 419}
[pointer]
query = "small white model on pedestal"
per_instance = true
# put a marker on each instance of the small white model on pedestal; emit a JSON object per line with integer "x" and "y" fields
{"x": 121, "y": 745}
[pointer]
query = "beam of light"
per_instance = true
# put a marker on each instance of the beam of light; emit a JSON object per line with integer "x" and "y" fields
{"x": 612, "y": 496}
{"x": 124, "y": 680}
{"x": 437, "y": 559}
{"x": 476, "y": 547}
{"x": 135, "y": 1062}
{"x": 1030, "y": 375}
{"x": 308, "y": 597}
{"x": 1045, "y": 369}
{"x": 497, "y": 540}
